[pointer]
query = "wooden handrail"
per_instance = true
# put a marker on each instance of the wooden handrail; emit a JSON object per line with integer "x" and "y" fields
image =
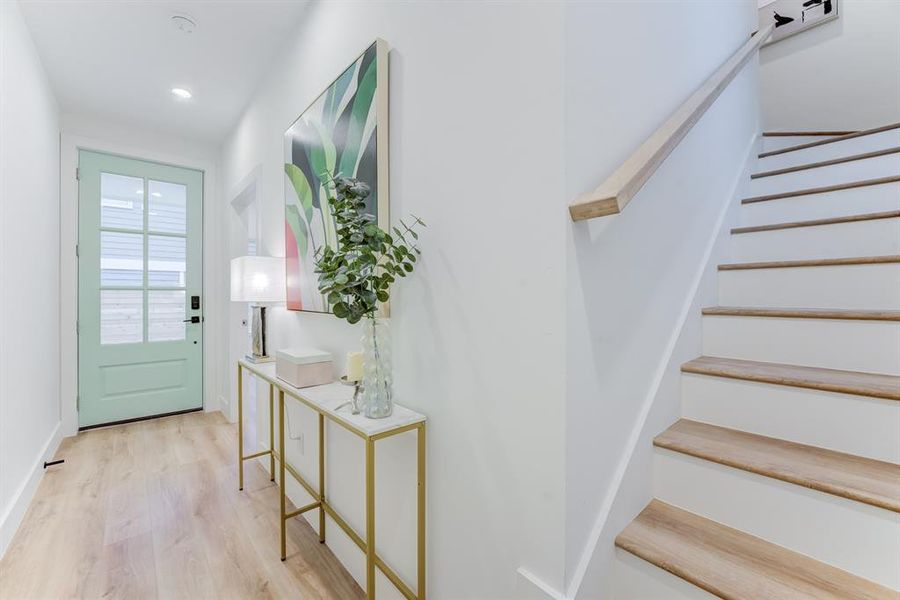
{"x": 620, "y": 187}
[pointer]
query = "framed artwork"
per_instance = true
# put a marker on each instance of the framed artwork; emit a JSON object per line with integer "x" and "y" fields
{"x": 794, "y": 16}
{"x": 344, "y": 131}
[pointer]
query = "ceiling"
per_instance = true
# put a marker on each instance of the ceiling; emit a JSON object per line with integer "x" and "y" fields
{"x": 119, "y": 60}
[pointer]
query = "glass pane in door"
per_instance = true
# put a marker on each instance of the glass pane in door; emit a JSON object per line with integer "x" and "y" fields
{"x": 121, "y": 259}
{"x": 168, "y": 207}
{"x": 121, "y": 316}
{"x": 166, "y": 261}
{"x": 121, "y": 201}
{"x": 165, "y": 315}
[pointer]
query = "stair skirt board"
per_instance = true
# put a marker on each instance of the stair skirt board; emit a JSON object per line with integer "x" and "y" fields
{"x": 839, "y": 203}
{"x": 870, "y": 168}
{"x": 813, "y": 417}
{"x": 867, "y": 346}
{"x": 819, "y": 150}
{"x": 834, "y": 240}
{"x": 872, "y": 286}
{"x": 827, "y": 528}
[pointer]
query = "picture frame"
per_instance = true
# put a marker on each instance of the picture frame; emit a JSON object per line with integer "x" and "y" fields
{"x": 343, "y": 131}
{"x": 791, "y": 17}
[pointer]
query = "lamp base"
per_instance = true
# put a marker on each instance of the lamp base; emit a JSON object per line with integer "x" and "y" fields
{"x": 259, "y": 359}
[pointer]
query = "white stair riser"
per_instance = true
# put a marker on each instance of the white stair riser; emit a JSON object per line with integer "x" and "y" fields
{"x": 850, "y": 535}
{"x": 636, "y": 579}
{"x": 860, "y": 145}
{"x": 812, "y": 417}
{"x": 872, "y": 287}
{"x": 869, "y": 168}
{"x": 778, "y": 142}
{"x": 877, "y": 237}
{"x": 852, "y": 345}
{"x": 856, "y": 201}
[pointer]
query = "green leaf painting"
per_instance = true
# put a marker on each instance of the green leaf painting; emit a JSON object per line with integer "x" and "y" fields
{"x": 337, "y": 134}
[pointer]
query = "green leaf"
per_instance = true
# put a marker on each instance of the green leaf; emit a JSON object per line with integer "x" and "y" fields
{"x": 363, "y": 102}
{"x": 323, "y": 155}
{"x": 340, "y": 310}
{"x": 301, "y": 188}
{"x": 382, "y": 296}
{"x": 298, "y": 228}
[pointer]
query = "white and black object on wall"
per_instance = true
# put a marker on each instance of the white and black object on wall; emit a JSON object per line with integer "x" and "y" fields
{"x": 260, "y": 281}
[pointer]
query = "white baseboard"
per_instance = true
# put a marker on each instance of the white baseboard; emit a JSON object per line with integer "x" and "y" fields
{"x": 12, "y": 517}
{"x": 225, "y": 407}
{"x": 530, "y": 586}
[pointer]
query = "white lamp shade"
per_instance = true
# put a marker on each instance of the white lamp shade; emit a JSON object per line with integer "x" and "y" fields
{"x": 257, "y": 279}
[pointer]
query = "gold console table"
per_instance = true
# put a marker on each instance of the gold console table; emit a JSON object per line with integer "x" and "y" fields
{"x": 325, "y": 401}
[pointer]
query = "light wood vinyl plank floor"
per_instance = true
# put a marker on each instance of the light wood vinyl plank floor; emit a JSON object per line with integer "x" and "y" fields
{"x": 152, "y": 510}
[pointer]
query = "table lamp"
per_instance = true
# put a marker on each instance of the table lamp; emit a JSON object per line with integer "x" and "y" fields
{"x": 258, "y": 280}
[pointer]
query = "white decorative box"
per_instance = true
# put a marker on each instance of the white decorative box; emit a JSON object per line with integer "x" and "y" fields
{"x": 304, "y": 367}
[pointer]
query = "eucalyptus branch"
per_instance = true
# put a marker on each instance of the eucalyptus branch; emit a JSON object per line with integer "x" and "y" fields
{"x": 357, "y": 275}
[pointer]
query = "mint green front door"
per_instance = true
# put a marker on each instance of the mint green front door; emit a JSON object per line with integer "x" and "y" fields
{"x": 139, "y": 269}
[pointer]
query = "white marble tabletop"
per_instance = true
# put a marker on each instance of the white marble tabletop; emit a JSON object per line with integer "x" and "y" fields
{"x": 330, "y": 396}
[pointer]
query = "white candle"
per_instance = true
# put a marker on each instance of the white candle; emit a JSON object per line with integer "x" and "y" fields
{"x": 354, "y": 366}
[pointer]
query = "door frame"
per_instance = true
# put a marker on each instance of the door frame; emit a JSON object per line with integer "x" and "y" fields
{"x": 70, "y": 145}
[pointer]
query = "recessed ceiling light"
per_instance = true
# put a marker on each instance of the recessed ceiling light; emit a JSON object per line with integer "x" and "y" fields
{"x": 182, "y": 93}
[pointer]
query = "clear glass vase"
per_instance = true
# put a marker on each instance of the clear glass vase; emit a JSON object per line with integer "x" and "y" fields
{"x": 378, "y": 382}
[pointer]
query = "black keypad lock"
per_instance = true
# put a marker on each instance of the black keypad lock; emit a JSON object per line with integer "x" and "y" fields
{"x": 195, "y": 302}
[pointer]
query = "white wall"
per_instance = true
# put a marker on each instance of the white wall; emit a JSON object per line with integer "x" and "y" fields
{"x": 29, "y": 270}
{"x": 632, "y": 278}
{"x": 844, "y": 74}
{"x": 477, "y": 152}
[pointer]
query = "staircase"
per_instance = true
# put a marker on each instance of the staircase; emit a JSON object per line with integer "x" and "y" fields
{"x": 782, "y": 478}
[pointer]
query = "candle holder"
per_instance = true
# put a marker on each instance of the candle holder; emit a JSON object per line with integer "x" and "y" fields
{"x": 357, "y": 395}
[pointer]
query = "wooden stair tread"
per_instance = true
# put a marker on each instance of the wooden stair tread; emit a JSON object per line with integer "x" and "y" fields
{"x": 735, "y": 565}
{"x": 838, "y": 138}
{"x": 824, "y": 189}
{"x": 826, "y": 163}
{"x": 862, "y": 479}
{"x": 890, "y": 214}
{"x": 874, "y": 385}
{"x": 804, "y": 313}
{"x": 817, "y": 262}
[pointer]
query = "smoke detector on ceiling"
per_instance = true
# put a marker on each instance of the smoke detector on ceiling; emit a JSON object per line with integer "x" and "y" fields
{"x": 184, "y": 23}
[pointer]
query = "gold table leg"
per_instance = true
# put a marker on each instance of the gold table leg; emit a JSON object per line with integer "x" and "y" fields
{"x": 370, "y": 519}
{"x": 281, "y": 472}
{"x": 421, "y": 511}
{"x": 240, "y": 420}
{"x": 321, "y": 478}
{"x": 271, "y": 432}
